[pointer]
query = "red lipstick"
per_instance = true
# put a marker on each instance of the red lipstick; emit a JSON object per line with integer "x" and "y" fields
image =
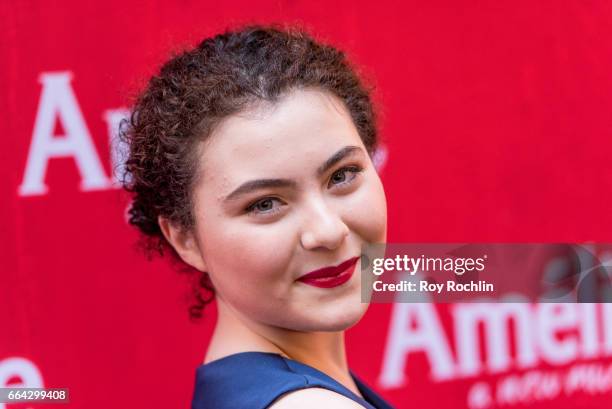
{"x": 329, "y": 277}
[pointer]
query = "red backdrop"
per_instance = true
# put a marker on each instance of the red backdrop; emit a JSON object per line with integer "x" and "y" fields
{"x": 496, "y": 125}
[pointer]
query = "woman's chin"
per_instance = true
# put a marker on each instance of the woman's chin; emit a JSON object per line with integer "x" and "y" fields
{"x": 332, "y": 319}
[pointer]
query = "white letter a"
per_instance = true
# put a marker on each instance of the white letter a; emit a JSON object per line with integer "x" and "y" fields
{"x": 429, "y": 337}
{"x": 57, "y": 98}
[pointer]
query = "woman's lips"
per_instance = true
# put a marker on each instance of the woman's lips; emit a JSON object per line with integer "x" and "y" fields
{"x": 329, "y": 277}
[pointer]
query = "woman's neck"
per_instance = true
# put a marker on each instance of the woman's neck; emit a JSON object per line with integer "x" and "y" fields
{"x": 324, "y": 351}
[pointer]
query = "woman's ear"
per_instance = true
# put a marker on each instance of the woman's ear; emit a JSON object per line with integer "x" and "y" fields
{"x": 183, "y": 242}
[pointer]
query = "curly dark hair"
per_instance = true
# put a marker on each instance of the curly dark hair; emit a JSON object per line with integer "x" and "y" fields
{"x": 193, "y": 92}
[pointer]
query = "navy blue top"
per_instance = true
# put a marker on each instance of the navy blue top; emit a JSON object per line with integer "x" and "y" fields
{"x": 254, "y": 380}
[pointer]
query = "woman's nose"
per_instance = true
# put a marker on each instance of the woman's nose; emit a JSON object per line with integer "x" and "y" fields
{"x": 323, "y": 227}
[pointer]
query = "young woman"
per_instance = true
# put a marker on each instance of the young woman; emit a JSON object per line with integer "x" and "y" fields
{"x": 250, "y": 160}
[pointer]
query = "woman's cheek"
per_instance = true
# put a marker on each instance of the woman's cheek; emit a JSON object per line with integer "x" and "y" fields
{"x": 242, "y": 251}
{"x": 367, "y": 215}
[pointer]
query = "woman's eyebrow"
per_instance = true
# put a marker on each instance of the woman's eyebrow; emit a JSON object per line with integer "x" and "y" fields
{"x": 257, "y": 184}
{"x": 248, "y": 187}
{"x": 337, "y": 157}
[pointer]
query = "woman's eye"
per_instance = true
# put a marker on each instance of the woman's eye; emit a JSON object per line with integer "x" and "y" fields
{"x": 265, "y": 206}
{"x": 344, "y": 176}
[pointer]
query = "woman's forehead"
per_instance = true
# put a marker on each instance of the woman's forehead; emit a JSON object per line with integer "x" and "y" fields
{"x": 301, "y": 130}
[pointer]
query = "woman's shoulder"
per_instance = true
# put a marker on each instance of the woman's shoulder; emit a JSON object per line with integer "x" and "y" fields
{"x": 261, "y": 379}
{"x": 314, "y": 397}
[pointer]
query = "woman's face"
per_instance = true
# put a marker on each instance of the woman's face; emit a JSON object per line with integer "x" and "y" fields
{"x": 286, "y": 189}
